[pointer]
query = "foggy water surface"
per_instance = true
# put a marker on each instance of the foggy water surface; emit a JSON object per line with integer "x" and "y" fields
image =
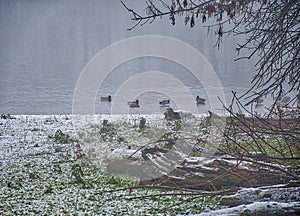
{"x": 46, "y": 44}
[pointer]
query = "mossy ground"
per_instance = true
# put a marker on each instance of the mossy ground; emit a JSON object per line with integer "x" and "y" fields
{"x": 42, "y": 174}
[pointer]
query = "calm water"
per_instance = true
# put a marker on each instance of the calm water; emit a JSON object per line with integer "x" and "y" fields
{"x": 45, "y": 45}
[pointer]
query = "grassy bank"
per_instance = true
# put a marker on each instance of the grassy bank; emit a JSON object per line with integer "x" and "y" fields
{"x": 44, "y": 173}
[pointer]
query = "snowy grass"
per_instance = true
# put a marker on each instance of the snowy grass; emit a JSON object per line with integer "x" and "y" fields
{"x": 42, "y": 176}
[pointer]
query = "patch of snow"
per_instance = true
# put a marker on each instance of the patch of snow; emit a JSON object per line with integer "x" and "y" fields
{"x": 124, "y": 153}
{"x": 256, "y": 208}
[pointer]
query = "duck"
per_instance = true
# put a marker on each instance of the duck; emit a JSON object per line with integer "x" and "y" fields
{"x": 286, "y": 99}
{"x": 283, "y": 102}
{"x": 200, "y": 100}
{"x": 134, "y": 104}
{"x": 259, "y": 101}
{"x": 106, "y": 99}
{"x": 164, "y": 102}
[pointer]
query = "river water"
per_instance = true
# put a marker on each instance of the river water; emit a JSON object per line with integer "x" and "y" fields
{"x": 45, "y": 46}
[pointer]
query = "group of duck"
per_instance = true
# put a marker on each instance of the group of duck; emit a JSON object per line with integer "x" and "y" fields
{"x": 136, "y": 103}
{"x": 199, "y": 101}
{"x": 281, "y": 101}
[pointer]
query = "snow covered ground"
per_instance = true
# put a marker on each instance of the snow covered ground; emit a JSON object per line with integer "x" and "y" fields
{"x": 43, "y": 171}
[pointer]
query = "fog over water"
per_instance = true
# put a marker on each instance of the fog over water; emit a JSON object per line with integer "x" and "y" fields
{"x": 45, "y": 45}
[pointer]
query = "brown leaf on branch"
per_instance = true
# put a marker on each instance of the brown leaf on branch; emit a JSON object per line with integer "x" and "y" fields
{"x": 203, "y": 18}
{"x": 192, "y": 23}
{"x": 184, "y": 3}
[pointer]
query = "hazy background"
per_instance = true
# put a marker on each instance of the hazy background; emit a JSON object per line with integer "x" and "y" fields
{"x": 44, "y": 46}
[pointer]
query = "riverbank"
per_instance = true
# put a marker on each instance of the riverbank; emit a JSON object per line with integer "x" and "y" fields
{"x": 44, "y": 171}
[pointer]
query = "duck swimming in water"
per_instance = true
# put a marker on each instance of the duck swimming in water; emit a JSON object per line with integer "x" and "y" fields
{"x": 259, "y": 102}
{"x": 164, "y": 102}
{"x": 200, "y": 100}
{"x": 285, "y": 100}
{"x": 106, "y": 99}
{"x": 134, "y": 104}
